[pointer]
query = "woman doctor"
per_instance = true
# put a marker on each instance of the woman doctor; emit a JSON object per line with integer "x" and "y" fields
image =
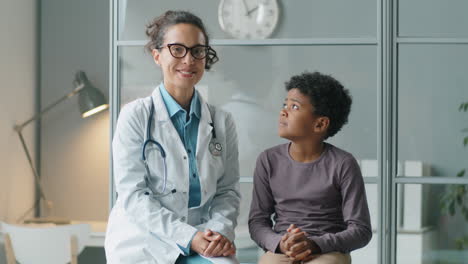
{"x": 175, "y": 160}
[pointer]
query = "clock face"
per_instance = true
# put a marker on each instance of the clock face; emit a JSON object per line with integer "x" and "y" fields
{"x": 248, "y": 19}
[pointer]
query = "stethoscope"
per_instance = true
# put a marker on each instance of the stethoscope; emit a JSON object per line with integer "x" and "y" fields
{"x": 214, "y": 147}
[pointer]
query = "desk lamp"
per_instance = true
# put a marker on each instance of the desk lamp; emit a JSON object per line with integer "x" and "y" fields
{"x": 90, "y": 101}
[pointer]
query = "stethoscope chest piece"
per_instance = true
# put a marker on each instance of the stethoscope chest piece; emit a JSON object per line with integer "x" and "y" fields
{"x": 215, "y": 148}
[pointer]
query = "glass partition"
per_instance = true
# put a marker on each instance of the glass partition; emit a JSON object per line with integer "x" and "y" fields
{"x": 298, "y": 18}
{"x": 254, "y": 93}
{"x": 427, "y": 233}
{"x": 432, "y": 84}
{"x": 434, "y": 18}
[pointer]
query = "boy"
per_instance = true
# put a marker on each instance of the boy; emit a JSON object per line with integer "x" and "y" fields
{"x": 314, "y": 189}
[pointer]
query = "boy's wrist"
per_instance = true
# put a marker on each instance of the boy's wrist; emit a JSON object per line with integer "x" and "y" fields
{"x": 314, "y": 247}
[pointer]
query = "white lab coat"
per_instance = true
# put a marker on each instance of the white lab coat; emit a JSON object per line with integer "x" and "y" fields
{"x": 144, "y": 229}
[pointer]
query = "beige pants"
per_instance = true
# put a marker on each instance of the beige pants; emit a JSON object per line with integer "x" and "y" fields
{"x": 329, "y": 258}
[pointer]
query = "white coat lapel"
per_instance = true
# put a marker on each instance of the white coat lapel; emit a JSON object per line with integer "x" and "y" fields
{"x": 204, "y": 129}
{"x": 165, "y": 128}
{"x": 202, "y": 154}
{"x": 166, "y": 134}
{"x": 163, "y": 122}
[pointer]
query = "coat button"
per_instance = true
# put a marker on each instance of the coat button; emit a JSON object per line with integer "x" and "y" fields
{"x": 182, "y": 219}
{"x": 185, "y": 157}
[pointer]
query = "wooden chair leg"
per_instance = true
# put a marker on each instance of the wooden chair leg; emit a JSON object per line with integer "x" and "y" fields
{"x": 74, "y": 250}
{"x": 10, "y": 255}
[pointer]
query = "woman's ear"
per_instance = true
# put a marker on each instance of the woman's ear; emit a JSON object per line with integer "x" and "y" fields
{"x": 155, "y": 53}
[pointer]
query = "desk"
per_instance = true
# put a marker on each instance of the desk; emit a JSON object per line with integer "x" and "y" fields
{"x": 98, "y": 232}
{"x": 97, "y": 236}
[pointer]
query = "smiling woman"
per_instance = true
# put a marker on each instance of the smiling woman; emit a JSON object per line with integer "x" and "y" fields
{"x": 181, "y": 73}
{"x": 176, "y": 194}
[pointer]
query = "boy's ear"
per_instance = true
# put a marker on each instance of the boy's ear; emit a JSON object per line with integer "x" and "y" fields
{"x": 321, "y": 124}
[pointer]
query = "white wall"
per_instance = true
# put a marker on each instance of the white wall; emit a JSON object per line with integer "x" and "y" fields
{"x": 18, "y": 58}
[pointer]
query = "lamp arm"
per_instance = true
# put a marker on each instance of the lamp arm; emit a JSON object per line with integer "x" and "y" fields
{"x": 75, "y": 91}
{"x": 36, "y": 174}
{"x": 19, "y": 129}
{"x": 37, "y": 180}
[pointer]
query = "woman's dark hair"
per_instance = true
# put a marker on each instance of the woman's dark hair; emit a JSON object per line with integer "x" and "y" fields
{"x": 328, "y": 97}
{"x": 156, "y": 31}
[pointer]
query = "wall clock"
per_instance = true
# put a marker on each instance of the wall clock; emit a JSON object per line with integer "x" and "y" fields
{"x": 248, "y": 19}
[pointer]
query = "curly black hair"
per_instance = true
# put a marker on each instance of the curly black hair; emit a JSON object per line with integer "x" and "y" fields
{"x": 158, "y": 27}
{"x": 328, "y": 97}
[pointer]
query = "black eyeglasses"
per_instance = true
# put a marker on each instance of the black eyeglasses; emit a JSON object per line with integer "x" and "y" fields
{"x": 177, "y": 50}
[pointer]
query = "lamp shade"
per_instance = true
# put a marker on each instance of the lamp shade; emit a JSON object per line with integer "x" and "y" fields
{"x": 90, "y": 99}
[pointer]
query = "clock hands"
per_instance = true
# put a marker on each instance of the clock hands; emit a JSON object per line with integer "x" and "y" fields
{"x": 252, "y": 10}
{"x": 245, "y": 8}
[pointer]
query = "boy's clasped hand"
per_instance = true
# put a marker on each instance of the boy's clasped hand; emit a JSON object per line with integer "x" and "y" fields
{"x": 297, "y": 246}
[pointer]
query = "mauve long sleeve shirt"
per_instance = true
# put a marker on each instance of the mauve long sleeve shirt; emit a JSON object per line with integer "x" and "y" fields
{"x": 325, "y": 198}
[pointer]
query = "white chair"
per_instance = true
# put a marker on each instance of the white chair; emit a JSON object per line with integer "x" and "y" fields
{"x": 45, "y": 244}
